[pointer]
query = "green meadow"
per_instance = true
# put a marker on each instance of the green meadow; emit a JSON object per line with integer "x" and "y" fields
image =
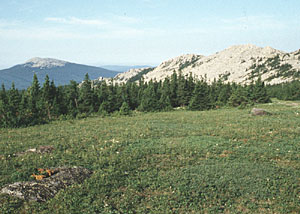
{"x": 217, "y": 161}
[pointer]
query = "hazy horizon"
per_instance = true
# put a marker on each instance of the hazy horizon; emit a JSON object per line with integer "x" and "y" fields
{"x": 144, "y": 32}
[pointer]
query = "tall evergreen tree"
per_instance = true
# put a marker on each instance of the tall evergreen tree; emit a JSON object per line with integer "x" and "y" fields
{"x": 3, "y": 107}
{"x": 86, "y": 96}
{"x": 149, "y": 100}
{"x": 35, "y": 102}
{"x": 47, "y": 97}
{"x": 259, "y": 94}
{"x": 14, "y": 100}
{"x": 183, "y": 94}
{"x": 200, "y": 99}
{"x": 239, "y": 97}
{"x": 133, "y": 95}
{"x": 174, "y": 89}
{"x": 125, "y": 109}
{"x": 224, "y": 94}
{"x": 165, "y": 101}
{"x": 72, "y": 97}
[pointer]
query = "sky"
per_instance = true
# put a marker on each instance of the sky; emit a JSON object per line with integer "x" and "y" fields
{"x": 141, "y": 32}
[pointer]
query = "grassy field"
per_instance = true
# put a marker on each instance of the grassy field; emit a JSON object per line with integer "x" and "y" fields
{"x": 220, "y": 161}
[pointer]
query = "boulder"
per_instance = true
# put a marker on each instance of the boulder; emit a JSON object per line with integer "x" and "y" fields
{"x": 40, "y": 150}
{"x": 44, "y": 189}
{"x": 259, "y": 111}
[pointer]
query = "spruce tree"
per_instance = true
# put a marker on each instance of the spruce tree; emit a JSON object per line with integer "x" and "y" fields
{"x": 104, "y": 108}
{"x": 35, "y": 102}
{"x": 3, "y": 107}
{"x": 259, "y": 92}
{"x": 200, "y": 99}
{"x": 174, "y": 89}
{"x": 133, "y": 95}
{"x": 165, "y": 103}
{"x": 149, "y": 100}
{"x": 239, "y": 97}
{"x": 224, "y": 94}
{"x": 183, "y": 94}
{"x": 14, "y": 100}
{"x": 125, "y": 109}
{"x": 47, "y": 97}
{"x": 86, "y": 96}
{"x": 72, "y": 97}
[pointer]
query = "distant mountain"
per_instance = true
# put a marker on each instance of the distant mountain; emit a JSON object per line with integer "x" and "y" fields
{"x": 59, "y": 71}
{"x": 240, "y": 64}
{"x": 123, "y": 68}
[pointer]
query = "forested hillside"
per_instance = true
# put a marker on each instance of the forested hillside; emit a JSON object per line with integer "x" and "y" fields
{"x": 40, "y": 104}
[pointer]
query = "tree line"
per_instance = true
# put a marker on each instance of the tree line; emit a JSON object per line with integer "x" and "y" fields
{"x": 41, "y": 104}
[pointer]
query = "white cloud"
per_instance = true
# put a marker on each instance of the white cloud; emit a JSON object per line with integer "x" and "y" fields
{"x": 6, "y": 23}
{"x": 37, "y": 34}
{"x": 76, "y": 21}
{"x": 60, "y": 33}
{"x": 262, "y": 22}
{"x": 127, "y": 19}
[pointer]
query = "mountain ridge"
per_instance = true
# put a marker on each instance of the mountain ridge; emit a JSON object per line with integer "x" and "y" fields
{"x": 61, "y": 72}
{"x": 238, "y": 63}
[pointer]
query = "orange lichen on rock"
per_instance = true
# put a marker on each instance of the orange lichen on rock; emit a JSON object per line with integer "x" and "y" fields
{"x": 40, "y": 170}
{"x": 43, "y": 173}
{"x": 50, "y": 172}
{"x": 38, "y": 177}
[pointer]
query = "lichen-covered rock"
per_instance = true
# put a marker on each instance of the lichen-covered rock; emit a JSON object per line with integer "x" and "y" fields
{"x": 259, "y": 111}
{"x": 47, "y": 188}
{"x": 40, "y": 150}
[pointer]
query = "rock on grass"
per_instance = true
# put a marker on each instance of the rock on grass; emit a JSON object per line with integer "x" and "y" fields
{"x": 42, "y": 190}
{"x": 258, "y": 112}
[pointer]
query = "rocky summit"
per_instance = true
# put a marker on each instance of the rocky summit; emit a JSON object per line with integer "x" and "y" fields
{"x": 239, "y": 63}
{"x": 61, "y": 72}
{"x": 43, "y": 63}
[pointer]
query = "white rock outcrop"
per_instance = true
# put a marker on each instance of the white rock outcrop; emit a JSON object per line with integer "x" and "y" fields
{"x": 42, "y": 63}
{"x": 236, "y": 63}
{"x": 124, "y": 77}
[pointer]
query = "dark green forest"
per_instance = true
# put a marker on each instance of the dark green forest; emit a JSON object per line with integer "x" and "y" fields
{"x": 42, "y": 103}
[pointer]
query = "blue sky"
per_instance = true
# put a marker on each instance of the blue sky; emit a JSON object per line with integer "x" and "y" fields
{"x": 131, "y": 32}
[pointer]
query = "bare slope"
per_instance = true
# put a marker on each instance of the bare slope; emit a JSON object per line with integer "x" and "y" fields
{"x": 240, "y": 63}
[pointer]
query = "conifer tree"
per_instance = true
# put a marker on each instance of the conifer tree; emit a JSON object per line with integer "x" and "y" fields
{"x": 224, "y": 94}
{"x": 125, "y": 109}
{"x": 200, "y": 99}
{"x": 14, "y": 100}
{"x": 165, "y": 103}
{"x": 183, "y": 95}
{"x": 121, "y": 95}
{"x": 86, "y": 96}
{"x": 112, "y": 102}
{"x": 60, "y": 103}
{"x": 239, "y": 97}
{"x": 149, "y": 100}
{"x": 35, "y": 102}
{"x": 72, "y": 97}
{"x": 24, "y": 111}
{"x": 104, "y": 108}
{"x": 259, "y": 94}
{"x": 174, "y": 89}
{"x": 133, "y": 95}
{"x": 3, "y": 107}
{"x": 47, "y": 97}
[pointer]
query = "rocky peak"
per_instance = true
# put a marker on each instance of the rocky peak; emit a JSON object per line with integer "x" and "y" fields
{"x": 238, "y": 63}
{"x": 180, "y": 61}
{"x": 42, "y": 63}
